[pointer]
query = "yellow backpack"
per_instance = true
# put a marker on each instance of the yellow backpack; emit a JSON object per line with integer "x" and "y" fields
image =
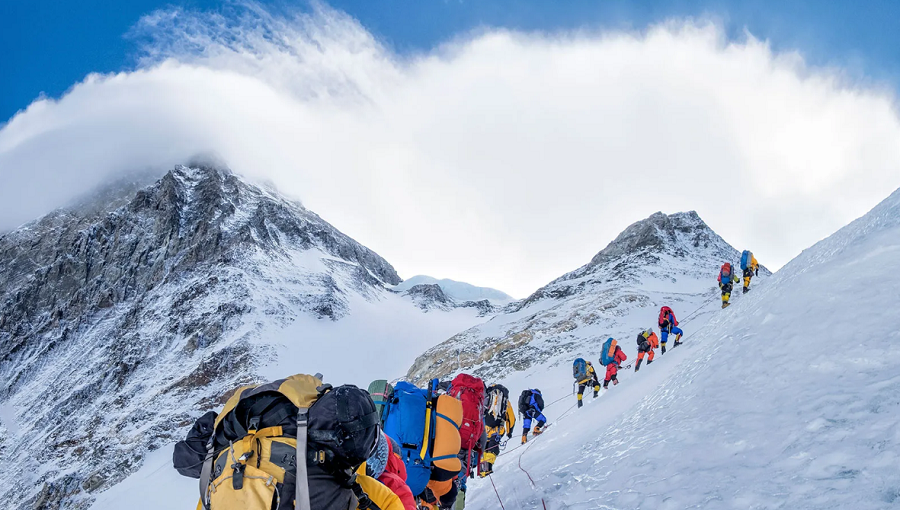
{"x": 251, "y": 459}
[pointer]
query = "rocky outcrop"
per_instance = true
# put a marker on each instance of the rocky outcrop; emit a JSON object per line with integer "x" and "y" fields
{"x": 430, "y": 296}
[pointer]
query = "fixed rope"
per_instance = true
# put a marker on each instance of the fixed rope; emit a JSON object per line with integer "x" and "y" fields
{"x": 705, "y": 303}
{"x": 533, "y": 486}
{"x": 497, "y": 493}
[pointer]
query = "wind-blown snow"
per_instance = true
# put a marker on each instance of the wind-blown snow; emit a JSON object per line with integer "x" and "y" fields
{"x": 787, "y": 399}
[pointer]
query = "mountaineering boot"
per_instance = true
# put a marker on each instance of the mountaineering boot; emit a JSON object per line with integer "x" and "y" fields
{"x": 638, "y": 365}
{"x": 580, "y": 403}
{"x": 651, "y": 361}
{"x": 663, "y": 348}
{"x": 596, "y": 393}
{"x": 537, "y": 431}
{"x": 746, "y": 290}
{"x": 524, "y": 439}
{"x": 485, "y": 469}
{"x": 724, "y": 305}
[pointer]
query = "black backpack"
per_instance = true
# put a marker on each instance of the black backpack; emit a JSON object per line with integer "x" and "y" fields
{"x": 525, "y": 401}
{"x": 539, "y": 400}
{"x": 341, "y": 433}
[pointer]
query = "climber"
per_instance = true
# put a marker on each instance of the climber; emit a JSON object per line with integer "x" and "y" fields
{"x": 471, "y": 392}
{"x": 612, "y": 368}
{"x": 750, "y": 267}
{"x": 646, "y": 342}
{"x": 668, "y": 324}
{"x": 727, "y": 279}
{"x": 499, "y": 420}
{"x": 531, "y": 405}
{"x": 248, "y": 452}
{"x": 426, "y": 425}
{"x": 584, "y": 373}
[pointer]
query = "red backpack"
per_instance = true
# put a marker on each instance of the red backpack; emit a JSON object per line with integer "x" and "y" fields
{"x": 664, "y": 315}
{"x": 725, "y": 274}
{"x": 470, "y": 391}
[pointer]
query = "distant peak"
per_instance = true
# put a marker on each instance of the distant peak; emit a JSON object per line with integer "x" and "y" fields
{"x": 654, "y": 233}
{"x": 460, "y": 291}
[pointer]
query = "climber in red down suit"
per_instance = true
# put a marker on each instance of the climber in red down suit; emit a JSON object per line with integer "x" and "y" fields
{"x": 613, "y": 368}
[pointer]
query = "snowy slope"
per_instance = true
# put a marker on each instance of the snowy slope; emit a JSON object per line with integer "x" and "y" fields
{"x": 459, "y": 291}
{"x": 662, "y": 260}
{"x": 124, "y": 320}
{"x": 788, "y": 399}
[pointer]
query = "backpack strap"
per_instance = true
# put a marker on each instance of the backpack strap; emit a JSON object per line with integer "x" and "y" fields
{"x": 301, "y": 484}
{"x": 206, "y": 473}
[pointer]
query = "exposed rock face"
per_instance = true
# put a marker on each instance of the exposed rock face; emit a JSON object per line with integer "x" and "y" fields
{"x": 120, "y": 318}
{"x": 430, "y": 296}
{"x": 662, "y": 260}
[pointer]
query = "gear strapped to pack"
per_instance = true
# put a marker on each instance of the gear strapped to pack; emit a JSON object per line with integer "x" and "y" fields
{"x": 267, "y": 439}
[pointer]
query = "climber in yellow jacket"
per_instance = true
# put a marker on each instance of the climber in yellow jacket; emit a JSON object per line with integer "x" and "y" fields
{"x": 499, "y": 421}
{"x": 590, "y": 378}
{"x": 750, "y": 267}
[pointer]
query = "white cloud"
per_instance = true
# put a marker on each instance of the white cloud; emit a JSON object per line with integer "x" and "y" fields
{"x": 503, "y": 159}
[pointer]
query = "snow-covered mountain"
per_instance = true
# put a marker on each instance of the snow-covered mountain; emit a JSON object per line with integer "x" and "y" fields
{"x": 458, "y": 291}
{"x": 662, "y": 260}
{"x": 787, "y": 399}
{"x": 124, "y": 318}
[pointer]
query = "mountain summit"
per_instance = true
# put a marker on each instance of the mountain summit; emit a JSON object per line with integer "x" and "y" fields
{"x": 661, "y": 260}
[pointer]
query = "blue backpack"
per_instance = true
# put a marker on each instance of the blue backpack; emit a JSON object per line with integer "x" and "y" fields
{"x": 405, "y": 424}
{"x": 609, "y": 352}
{"x": 746, "y": 257}
{"x": 579, "y": 369}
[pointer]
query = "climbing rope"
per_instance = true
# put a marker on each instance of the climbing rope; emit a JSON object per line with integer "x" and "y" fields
{"x": 692, "y": 314}
{"x": 533, "y": 486}
{"x": 496, "y": 492}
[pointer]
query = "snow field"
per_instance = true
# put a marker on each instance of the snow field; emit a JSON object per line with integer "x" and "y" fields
{"x": 787, "y": 399}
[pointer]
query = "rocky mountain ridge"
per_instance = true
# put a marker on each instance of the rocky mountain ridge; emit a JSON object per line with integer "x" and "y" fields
{"x": 430, "y": 296}
{"x": 663, "y": 259}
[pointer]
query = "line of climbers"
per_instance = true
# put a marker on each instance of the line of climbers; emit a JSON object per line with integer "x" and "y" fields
{"x": 728, "y": 277}
{"x": 389, "y": 448}
{"x": 612, "y": 356}
{"x": 298, "y": 443}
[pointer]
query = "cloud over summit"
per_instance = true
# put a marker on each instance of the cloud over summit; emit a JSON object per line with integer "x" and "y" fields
{"x": 503, "y": 159}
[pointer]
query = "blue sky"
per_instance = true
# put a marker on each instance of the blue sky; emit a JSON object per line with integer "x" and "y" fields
{"x": 48, "y": 48}
{"x": 532, "y": 151}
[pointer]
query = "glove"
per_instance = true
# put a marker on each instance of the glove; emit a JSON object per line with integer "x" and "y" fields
{"x": 509, "y": 436}
{"x": 757, "y": 271}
